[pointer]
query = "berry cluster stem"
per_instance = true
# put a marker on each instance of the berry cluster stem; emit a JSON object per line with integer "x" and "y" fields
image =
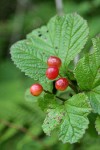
{"x": 73, "y": 87}
{"x": 55, "y": 96}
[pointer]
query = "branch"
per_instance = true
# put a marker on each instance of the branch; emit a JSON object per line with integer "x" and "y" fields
{"x": 59, "y": 7}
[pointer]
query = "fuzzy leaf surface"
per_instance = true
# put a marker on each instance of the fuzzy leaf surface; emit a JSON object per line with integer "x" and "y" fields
{"x": 70, "y": 119}
{"x": 54, "y": 113}
{"x": 63, "y": 36}
{"x": 75, "y": 121}
{"x": 28, "y": 59}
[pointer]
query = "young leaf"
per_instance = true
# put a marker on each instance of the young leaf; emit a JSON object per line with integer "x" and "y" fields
{"x": 94, "y": 98}
{"x": 71, "y": 118}
{"x": 63, "y": 36}
{"x": 47, "y": 102}
{"x": 87, "y": 70}
{"x": 97, "y": 124}
{"x": 75, "y": 121}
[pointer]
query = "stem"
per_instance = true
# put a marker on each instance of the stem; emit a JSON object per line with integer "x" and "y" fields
{"x": 70, "y": 70}
{"x": 55, "y": 96}
{"x": 60, "y": 75}
{"x": 22, "y": 129}
{"x": 54, "y": 90}
{"x": 73, "y": 87}
{"x": 61, "y": 98}
{"x": 47, "y": 92}
{"x": 59, "y": 7}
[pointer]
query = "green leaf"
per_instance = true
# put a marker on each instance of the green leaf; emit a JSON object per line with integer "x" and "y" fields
{"x": 87, "y": 70}
{"x": 97, "y": 124}
{"x": 70, "y": 118}
{"x": 53, "y": 119}
{"x": 96, "y": 46}
{"x": 28, "y": 59}
{"x": 70, "y": 34}
{"x": 87, "y": 73}
{"x": 47, "y": 85}
{"x": 48, "y": 101}
{"x": 75, "y": 121}
{"x": 94, "y": 98}
{"x": 63, "y": 36}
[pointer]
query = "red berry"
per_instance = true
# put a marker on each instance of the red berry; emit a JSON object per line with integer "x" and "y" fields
{"x": 36, "y": 89}
{"x": 52, "y": 73}
{"x": 61, "y": 84}
{"x": 54, "y": 61}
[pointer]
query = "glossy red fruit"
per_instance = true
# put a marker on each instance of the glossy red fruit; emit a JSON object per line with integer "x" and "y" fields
{"x": 54, "y": 61}
{"x": 52, "y": 73}
{"x": 61, "y": 84}
{"x": 36, "y": 89}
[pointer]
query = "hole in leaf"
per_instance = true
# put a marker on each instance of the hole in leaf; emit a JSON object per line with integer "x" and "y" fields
{"x": 45, "y": 38}
{"x": 40, "y": 35}
{"x": 56, "y": 47}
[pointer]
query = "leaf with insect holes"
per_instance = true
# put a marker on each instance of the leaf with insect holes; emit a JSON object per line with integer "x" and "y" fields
{"x": 54, "y": 113}
{"x": 75, "y": 121}
{"x": 70, "y": 119}
{"x": 97, "y": 124}
{"x": 87, "y": 72}
{"x": 64, "y": 36}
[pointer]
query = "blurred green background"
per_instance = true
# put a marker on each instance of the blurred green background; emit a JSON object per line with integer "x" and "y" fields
{"x": 20, "y": 119}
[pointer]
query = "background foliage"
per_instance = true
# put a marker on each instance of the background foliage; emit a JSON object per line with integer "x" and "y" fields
{"x": 20, "y": 119}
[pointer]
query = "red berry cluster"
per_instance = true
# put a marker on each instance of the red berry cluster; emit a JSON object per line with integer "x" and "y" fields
{"x": 52, "y": 72}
